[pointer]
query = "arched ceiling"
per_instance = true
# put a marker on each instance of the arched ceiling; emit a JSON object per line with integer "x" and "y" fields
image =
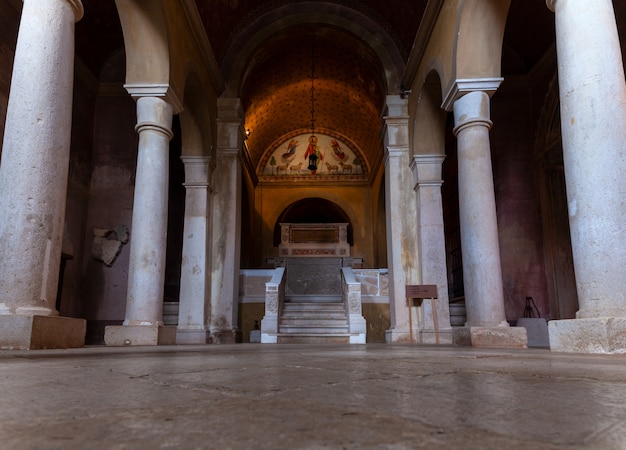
{"x": 350, "y": 85}
{"x": 348, "y": 92}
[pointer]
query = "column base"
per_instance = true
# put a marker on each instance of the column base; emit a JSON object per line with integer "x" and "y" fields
{"x": 441, "y": 337}
{"x": 190, "y": 337}
{"x": 394, "y": 336}
{"x": 226, "y": 337}
{"x": 599, "y": 335}
{"x": 41, "y": 332}
{"x": 125, "y": 335}
{"x": 494, "y": 337}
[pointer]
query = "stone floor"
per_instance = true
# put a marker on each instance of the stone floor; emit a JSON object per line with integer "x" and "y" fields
{"x": 255, "y": 396}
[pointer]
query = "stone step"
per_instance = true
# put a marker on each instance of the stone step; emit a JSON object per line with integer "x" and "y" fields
{"x": 324, "y": 322}
{"x": 313, "y": 307}
{"x": 313, "y": 316}
{"x": 314, "y": 327}
{"x": 313, "y": 338}
{"x": 313, "y": 299}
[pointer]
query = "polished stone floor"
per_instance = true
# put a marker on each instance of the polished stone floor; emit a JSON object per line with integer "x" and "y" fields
{"x": 257, "y": 396}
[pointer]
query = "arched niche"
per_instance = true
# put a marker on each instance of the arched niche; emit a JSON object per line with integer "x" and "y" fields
{"x": 313, "y": 210}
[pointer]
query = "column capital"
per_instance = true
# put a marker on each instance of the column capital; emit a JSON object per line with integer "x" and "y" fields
{"x": 197, "y": 171}
{"x": 471, "y": 110}
{"x": 427, "y": 169}
{"x": 397, "y": 106}
{"x": 461, "y": 87}
{"x": 395, "y": 152}
{"x": 77, "y": 6}
{"x": 154, "y": 113}
{"x": 163, "y": 91}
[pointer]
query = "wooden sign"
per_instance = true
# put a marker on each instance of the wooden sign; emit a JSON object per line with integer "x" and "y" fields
{"x": 421, "y": 291}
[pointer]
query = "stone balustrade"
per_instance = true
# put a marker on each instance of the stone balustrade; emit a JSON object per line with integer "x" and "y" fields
{"x": 352, "y": 300}
{"x": 274, "y": 298}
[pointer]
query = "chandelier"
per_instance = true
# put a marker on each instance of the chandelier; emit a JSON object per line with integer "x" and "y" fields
{"x": 312, "y": 151}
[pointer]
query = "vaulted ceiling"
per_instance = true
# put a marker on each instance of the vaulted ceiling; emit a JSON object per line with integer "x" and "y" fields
{"x": 349, "y": 82}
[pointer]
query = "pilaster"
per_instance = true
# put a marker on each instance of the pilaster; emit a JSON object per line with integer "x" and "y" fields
{"x": 194, "y": 306}
{"x": 400, "y": 217}
{"x": 426, "y": 170}
{"x": 226, "y": 222}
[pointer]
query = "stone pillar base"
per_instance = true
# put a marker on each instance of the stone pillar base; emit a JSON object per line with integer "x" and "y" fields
{"x": 116, "y": 336}
{"x": 41, "y": 332}
{"x": 441, "y": 337}
{"x": 598, "y": 335}
{"x": 226, "y": 337}
{"x": 494, "y": 337}
{"x": 394, "y": 336}
{"x": 187, "y": 337}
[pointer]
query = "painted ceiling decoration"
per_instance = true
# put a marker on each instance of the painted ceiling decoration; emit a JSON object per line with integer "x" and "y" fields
{"x": 335, "y": 159}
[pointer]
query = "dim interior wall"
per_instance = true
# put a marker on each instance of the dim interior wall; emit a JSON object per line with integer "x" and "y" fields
{"x": 110, "y": 204}
{"x": 356, "y": 201}
{"x": 77, "y": 199}
{"x": 517, "y": 203}
{"x": 9, "y": 23}
{"x": 377, "y": 319}
{"x": 248, "y": 313}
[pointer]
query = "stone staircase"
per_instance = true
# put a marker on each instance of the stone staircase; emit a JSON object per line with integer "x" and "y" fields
{"x": 313, "y": 320}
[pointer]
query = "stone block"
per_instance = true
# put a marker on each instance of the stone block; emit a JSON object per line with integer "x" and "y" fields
{"x": 597, "y": 335}
{"x": 537, "y": 331}
{"x": 41, "y": 332}
{"x": 491, "y": 337}
{"x": 255, "y": 336}
{"x": 117, "y": 336}
{"x": 192, "y": 337}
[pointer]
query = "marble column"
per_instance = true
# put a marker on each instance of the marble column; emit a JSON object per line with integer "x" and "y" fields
{"x": 226, "y": 225}
{"x": 194, "y": 306}
{"x": 143, "y": 323}
{"x": 593, "y": 114}
{"x": 482, "y": 273}
{"x": 426, "y": 169}
{"x": 400, "y": 205}
{"x": 33, "y": 178}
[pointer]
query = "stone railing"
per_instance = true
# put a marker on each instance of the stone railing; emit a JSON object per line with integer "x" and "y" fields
{"x": 274, "y": 298}
{"x": 352, "y": 302}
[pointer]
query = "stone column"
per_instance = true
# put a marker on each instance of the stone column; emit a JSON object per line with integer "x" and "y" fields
{"x": 432, "y": 247}
{"x": 593, "y": 114}
{"x": 226, "y": 222}
{"x": 194, "y": 306}
{"x": 482, "y": 274}
{"x": 33, "y": 178}
{"x": 143, "y": 323}
{"x": 402, "y": 255}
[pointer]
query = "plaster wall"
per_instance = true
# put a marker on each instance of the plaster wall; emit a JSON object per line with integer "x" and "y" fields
{"x": 517, "y": 201}
{"x": 110, "y": 204}
{"x": 85, "y": 92}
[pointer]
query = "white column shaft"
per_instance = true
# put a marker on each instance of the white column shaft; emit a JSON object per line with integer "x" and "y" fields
{"x": 482, "y": 272}
{"x": 35, "y": 157}
{"x": 593, "y": 118}
{"x": 194, "y": 293}
{"x": 144, "y": 303}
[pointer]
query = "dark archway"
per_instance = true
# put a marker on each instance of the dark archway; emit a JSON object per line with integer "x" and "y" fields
{"x": 313, "y": 210}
